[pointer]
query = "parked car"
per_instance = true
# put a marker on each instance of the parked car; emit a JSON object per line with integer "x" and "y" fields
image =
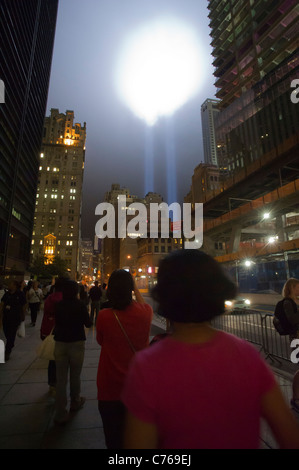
{"x": 239, "y": 303}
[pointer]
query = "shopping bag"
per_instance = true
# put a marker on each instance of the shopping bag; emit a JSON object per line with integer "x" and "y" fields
{"x": 47, "y": 348}
{"x": 21, "y": 330}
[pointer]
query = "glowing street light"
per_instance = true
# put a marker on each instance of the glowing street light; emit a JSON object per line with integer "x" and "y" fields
{"x": 248, "y": 263}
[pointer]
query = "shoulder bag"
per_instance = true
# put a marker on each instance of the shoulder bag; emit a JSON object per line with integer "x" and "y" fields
{"x": 125, "y": 334}
{"x": 47, "y": 348}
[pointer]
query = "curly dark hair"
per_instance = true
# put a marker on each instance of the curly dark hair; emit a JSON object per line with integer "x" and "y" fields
{"x": 191, "y": 287}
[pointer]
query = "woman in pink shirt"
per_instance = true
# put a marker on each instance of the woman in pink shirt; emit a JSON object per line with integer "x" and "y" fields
{"x": 200, "y": 387}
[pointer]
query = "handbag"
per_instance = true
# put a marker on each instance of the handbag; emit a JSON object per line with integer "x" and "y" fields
{"x": 21, "y": 330}
{"x": 46, "y": 348}
{"x": 124, "y": 332}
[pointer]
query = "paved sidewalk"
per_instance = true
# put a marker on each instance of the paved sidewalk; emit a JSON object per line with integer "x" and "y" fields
{"x": 27, "y": 410}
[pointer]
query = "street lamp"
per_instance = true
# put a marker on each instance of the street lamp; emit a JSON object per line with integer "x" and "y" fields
{"x": 248, "y": 263}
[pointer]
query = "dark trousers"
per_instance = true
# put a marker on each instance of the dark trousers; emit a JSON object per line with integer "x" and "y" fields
{"x": 34, "y": 309}
{"x": 52, "y": 374}
{"x": 10, "y": 330}
{"x": 94, "y": 310}
{"x": 113, "y": 418}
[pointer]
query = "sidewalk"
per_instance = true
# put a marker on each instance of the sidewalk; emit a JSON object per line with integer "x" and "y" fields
{"x": 27, "y": 410}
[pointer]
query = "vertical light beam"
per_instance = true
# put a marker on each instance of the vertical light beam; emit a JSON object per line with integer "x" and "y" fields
{"x": 170, "y": 160}
{"x": 149, "y": 160}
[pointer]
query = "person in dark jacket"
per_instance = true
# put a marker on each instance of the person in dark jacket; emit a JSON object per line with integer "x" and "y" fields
{"x": 12, "y": 311}
{"x": 95, "y": 295}
{"x": 71, "y": 316}
{"x": 290, "y": 294}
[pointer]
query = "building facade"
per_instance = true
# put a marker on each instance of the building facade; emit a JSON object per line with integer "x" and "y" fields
{"x": 255, "y": 46}
{"x": 209, "y": 110}
{"x": 57, "y": 219}
{"x": 27, "y": 31}
{"x": 251, "y": 222}
{"x": 86, "y": 269}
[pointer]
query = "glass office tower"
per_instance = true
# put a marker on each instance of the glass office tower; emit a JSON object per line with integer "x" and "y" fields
{"x": 255, "y": 46}
{"x": 27, "y": 31}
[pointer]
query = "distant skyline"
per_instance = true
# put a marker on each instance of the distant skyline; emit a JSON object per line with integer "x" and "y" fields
{"x": 89, "y": 36}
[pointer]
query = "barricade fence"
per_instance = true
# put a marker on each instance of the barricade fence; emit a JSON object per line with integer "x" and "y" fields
{"x": 257, "y": 328}
{"x": 251, "y": 325}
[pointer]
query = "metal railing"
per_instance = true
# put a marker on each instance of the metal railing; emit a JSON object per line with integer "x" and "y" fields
{"x": 256, "y": 327}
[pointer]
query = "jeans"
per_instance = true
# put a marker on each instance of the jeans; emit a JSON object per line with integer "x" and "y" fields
{"x": 68, "y": 357}
{"x": 94, "y": 310}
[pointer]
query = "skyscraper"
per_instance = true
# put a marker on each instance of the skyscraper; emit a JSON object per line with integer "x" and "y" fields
{"x": 209, "y": 110}
{"x": 57, "y": 219}
{"x": 27, "y": 31}
{"x": 255, "y": 46}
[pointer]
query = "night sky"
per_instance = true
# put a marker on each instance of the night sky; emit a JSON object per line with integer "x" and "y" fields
{"x": 89, "y": 36}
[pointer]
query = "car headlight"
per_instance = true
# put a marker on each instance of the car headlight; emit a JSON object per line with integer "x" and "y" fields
{"x": 247, "y": 302}
{"x": 228, "y": 303}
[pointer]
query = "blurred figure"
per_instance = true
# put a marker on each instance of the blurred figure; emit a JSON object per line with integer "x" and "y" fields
{"x": 48, "y": 324}
{"x": 201, "y": 388}
{"x": 83, "y": 294}
{"x": 71, "y": 316}
{"x": 104, "y": 296}
{"x": 34, "y": 298}
{"x": 2, "y": 291}
{"x": 121, "y": 330}
{"x": 95, "y": 295}
{"x": 290, "y": 294}
{"x": 12, "y": 312}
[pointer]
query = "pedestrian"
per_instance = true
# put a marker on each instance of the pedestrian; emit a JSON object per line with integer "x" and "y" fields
{"x": 201, "y": 387}
{"x": 121, "y": 330}
{"x": 71, "y": 316}
{"x": 34, "y": 297}
{"x": 104, "y": 296}
{"x": 83, "y": 294}
{"x": 47, "y": 326}
{"x": 12, "y": 312}
{"x": 290, "y": 294}
{"x": 95, "y": 295}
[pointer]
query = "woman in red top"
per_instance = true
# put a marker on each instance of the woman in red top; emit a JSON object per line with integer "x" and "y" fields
{"x": 121, "y": 330}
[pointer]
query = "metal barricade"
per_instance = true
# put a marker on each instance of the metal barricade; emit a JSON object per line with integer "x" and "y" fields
{"x": 256, "y": 326}
{"x": 244, "y": 323}
{"x": 276, "y": 345}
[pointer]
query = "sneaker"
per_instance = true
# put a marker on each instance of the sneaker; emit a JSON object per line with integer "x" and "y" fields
{"x": 77, "y": 405}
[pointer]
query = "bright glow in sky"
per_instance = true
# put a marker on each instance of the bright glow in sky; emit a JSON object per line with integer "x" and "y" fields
{"x": 160, "y": 68}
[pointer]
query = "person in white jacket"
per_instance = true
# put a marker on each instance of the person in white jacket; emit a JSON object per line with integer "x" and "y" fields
{"x": 34, "y": 298}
